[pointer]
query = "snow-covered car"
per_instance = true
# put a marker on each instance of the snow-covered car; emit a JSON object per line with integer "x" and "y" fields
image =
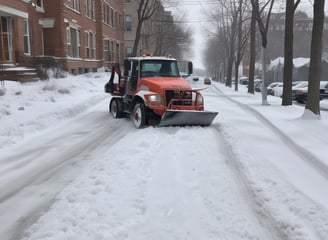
{"x": 243, "y": 80}
{"x": 301, "y": 94}
{"x": 258, "y": 85}
{"x": 277, "y": 90}
{"x": 298, "y": 87}
{"x": 271, "y": 86}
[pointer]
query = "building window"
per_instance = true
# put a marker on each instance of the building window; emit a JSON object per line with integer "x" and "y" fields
{"x": 93, "y": 45}
{"x": 87, "y": 45}
{"x": 107, "y": 53}
{"x": 39, "y": 3}
{"x": 90, "y": 9}
{"x": 39, "y": 6}
{"x": 111, "y": 17}
{"x": 74, "y": 4}
{"x": 90, "y": 45}
{"x": 27, "y": 44}
{"x": 73, "y": 42}
{"x": 106, "y": 14}
{"x": 117, "y": 52}
{"x": 129, "y": 51}
{"x": 115, "y": 20}
{"x": 128, "y": 23}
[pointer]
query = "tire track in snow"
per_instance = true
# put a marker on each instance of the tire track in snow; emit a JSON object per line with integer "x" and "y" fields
{"x": 289, "y": 211}
{"x": 190, "y": 196}
{"x": 297, "y": 149}
{"x": 50, "y": 161}
{"x": 247, "y": 190}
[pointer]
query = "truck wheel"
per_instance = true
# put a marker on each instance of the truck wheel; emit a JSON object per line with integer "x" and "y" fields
{"x": 139, "y": 116}
{"x": 115, "y": 108}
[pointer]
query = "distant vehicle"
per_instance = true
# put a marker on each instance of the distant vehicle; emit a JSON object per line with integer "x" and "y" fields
{"x": 243, "y": 80}
{"x": 301, "y": 94}
{"x": 271, "y": 86}
{"x": 298, "y": 87}
{"x": 195, "y": 79}
{"x": 258, "y": 85}
{"x": 207, "y": 81}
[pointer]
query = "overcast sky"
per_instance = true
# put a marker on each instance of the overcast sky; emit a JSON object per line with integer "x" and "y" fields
{"x": 196, "y": 15}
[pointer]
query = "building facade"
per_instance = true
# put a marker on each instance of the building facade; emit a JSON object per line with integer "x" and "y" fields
{"x": 131, "y": 20}
{"x": 81, "y": 35}
{"x": 154, "y": 32}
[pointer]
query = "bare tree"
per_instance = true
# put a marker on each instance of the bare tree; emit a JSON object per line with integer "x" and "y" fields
{"x": 252, "y": 54}
{"x": 313, "y": 98}
{"x": 146, "y": 9}
{"x": 263, "y": 23}
{"x": 230, "y": 25}
{"x": 170, "y": 37}
{"x": 291, "y": 6}
{"x": 242, "y": 39}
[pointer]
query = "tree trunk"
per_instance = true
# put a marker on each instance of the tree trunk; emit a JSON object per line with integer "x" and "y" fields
{"x": 288, "y": 58}
{"x": 263, "y": 30}
{"x": 252, "y": 55}
{"x": 264, "y": 84}
{"x": 230, "y": 63}
{"x": 313, "y": 98}
{"x": 236, "y": 75}
{"x": 137, "y": 39}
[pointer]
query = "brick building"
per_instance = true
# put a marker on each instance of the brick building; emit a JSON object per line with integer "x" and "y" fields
{"x": 81, "y": 35}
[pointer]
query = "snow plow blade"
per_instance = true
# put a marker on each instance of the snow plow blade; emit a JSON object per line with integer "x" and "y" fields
{"x": 186, "y": 118}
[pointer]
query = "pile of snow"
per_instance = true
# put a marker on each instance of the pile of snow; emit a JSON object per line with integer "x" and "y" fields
{"x": 27, "y": 108}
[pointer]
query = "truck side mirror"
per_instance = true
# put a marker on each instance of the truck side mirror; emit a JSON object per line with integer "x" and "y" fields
{"x": 190, "y": 68}
{"x": 127, "y": 67}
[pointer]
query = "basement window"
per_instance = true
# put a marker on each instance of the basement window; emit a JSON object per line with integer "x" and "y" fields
{"x": 39, "y": 6}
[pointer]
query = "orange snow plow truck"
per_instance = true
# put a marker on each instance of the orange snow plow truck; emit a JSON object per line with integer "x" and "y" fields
{"x": 151, "y": 88}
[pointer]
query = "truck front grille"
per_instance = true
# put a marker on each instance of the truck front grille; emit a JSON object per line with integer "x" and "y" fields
{"x": 176, "y": 97}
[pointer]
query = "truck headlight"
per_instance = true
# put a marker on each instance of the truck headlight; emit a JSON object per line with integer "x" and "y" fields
{"x": 199, "y": 99}
{"x": 155, "y": 98}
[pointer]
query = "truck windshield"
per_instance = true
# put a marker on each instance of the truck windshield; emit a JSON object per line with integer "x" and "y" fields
{"x": 162, "y": 68}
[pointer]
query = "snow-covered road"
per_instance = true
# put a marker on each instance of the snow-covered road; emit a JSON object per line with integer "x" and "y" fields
{"x": 38, "y": 168}
{"x": 95, "y": 177}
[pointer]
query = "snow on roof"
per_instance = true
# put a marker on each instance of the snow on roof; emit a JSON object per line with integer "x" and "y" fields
{"x": 276, "y": 63}
{"x": 301, "y": 62}
{"x": 297, "y": 62}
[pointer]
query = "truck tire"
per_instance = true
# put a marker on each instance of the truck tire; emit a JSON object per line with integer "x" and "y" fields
{"x": 139, "y": 115}
{"x": 115, "y": 108}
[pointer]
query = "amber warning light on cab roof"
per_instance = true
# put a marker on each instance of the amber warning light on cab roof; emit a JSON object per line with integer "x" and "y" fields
{"x": 151, "y": 55}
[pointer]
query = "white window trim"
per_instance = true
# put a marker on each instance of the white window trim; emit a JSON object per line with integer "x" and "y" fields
{"x": 28, "y": 37}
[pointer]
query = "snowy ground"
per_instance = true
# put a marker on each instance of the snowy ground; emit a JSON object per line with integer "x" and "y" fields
{"x": 69, "y": 171}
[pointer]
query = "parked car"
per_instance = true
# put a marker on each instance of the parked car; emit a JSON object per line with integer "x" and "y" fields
{"x": 277, "y": 90}
{"x": 301, "y": 95}
{"x": 195, "y": 79}
{"x": 271, "y": 86}
{"x": 257, "y": 85}
{"x": 298, "y": 87}
{"x": 323, "y": 90}
{"x": 243, "y": 80}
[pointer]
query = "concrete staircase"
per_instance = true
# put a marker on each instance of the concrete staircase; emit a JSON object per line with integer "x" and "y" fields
{"x": 21, "y": 74}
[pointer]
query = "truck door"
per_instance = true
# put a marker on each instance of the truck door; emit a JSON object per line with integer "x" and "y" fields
{"x": 134, "y": 75}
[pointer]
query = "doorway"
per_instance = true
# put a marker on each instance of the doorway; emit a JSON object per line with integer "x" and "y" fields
{"x": 6, "y": 43}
